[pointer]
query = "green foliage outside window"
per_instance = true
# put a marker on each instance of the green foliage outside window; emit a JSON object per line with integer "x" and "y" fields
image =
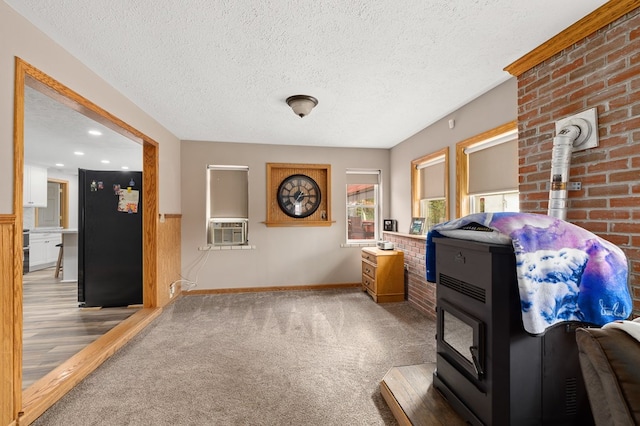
{"x": 434, "y": 211}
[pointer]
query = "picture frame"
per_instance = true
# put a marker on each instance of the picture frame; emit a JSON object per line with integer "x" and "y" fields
{"x": 417, "y": 226}
{"x": 277, "y": 173}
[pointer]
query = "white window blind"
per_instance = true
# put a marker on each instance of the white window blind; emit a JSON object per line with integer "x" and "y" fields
{"x": 494, "y": 168}
{"x": 363, "y": 176}
{"x": 228, "y": 191}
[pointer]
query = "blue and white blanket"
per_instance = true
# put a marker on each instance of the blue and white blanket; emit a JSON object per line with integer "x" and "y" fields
{"x": 565, "y": 273}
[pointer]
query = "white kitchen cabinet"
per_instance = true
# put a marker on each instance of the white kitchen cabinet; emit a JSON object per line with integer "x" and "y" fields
{"x": 34, "y": 186}
{"x": 43, "y": 252}
{"x": 37, "y": 254}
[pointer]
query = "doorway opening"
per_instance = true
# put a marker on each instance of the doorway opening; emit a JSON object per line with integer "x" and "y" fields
{"x": 45, "y": 392}
{"x": 56, "y": 214}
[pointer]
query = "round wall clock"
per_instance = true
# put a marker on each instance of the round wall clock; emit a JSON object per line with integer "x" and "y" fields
{"x": 298, "y": 196}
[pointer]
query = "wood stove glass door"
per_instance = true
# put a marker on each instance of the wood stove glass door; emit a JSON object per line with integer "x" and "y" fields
{"x": 462, "y": 338}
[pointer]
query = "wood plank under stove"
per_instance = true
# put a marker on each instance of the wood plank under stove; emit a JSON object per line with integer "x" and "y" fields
{"x": 413, "y": 400}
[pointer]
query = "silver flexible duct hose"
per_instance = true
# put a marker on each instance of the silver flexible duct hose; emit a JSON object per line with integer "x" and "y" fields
{"x": 560, "y": 163}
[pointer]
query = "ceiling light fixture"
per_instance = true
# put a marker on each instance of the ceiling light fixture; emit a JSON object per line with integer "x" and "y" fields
{"x": 94, "y": 132}
{"x": 78, "y": 153}
{"x": 302, "y": 104}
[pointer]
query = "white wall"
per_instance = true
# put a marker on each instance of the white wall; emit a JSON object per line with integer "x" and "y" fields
{"x": 20, "y": 38}
{"x": 494, "y": 108}
{"x": 284, "y": 256}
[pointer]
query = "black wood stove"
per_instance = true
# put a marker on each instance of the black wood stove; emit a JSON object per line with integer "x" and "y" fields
{"x": 488, "y": 367}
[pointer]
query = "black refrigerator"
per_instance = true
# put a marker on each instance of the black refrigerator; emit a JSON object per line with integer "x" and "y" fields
{"x": 109, "y": 238}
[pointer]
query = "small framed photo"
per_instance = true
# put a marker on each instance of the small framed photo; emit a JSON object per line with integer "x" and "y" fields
{"x": 417, "y": 226}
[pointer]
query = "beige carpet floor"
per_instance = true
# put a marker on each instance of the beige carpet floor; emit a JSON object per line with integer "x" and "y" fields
{"x": 276, "y": 358}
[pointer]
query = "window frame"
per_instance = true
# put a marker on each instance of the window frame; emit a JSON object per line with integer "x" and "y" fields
{"x": 462, "y": 164}
{"x": 416, "y": 181}
{"x": 377, "y": 206}
{"x": 490, "y": 194}
{"x": 235, "y": 226}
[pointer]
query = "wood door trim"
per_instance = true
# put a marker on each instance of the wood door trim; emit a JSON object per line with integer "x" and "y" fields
{"x": 64, "y": 202}
{"x": 27, "y": 74}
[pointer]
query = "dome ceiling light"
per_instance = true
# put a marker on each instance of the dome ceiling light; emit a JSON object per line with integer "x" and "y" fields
{"x": 302, "y": 104}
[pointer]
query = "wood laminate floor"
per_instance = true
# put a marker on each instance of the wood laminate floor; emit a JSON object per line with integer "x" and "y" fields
{"x": 54, "y": 327}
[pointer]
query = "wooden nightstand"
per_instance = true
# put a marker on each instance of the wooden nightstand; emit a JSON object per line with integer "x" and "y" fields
{"x": 383, "y": 274}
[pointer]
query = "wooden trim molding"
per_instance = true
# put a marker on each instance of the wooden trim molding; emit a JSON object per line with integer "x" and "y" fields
{"x": 599, "y": 18}
{"x": 320, "y": 173}
{"x": 150, "y": 166}
{"x": 64, "y": 202}
{"x": 462, "y": 164}
{"x": 170, "y": 216}
{"x": 11, "y": 396}
{"x": 8, "y": 302}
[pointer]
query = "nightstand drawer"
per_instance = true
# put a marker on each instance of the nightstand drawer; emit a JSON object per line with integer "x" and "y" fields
{"x": 369, "y": 269}
{"x": 369, "y": 282}
{"x": 369, "y": 257}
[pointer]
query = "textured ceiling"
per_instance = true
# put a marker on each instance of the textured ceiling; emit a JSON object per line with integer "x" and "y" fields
{"x": 382, "y": 70}
{"x": 53, "y": 132}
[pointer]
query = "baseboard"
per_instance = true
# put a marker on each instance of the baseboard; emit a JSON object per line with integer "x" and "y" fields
{"x": 276, "y": 288}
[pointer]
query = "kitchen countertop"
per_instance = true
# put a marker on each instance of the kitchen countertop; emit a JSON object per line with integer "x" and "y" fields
{"x": 53, "y": 231}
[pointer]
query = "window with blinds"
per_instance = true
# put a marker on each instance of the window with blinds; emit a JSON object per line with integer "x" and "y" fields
{"x": 493, "y": 174}
{"x": 227, "y": 204}
{"x": 430, "y": 188}
{"x": 363, "y": 204}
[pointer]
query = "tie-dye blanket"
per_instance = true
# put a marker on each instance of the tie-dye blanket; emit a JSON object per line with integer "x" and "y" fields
{"x": 565, "y": 273}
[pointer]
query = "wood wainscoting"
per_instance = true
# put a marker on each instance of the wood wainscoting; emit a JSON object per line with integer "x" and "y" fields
{"x": 169, "y": 258}
{"x": 10, "y": 343}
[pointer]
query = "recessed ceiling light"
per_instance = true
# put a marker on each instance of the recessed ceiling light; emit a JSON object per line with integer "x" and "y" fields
{"x": 105, "y": 161}
{"x": 125, "y": 167}
{"x": 78, "y": 153}
{"x": 59, "y": 165}
{"x": 94, "y": 132}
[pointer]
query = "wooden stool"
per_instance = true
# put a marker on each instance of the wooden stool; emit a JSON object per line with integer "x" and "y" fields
{"x": 59, "y": 262}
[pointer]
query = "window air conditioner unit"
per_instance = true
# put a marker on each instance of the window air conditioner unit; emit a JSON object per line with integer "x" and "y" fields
{"x": 227, "y": 231}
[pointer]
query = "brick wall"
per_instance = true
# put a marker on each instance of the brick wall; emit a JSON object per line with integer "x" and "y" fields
{"x": 603, "y": 72}
{"x": 421, "y": 294}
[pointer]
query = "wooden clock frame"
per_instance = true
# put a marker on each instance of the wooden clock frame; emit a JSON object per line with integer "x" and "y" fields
{"x": 277, "y": 172}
